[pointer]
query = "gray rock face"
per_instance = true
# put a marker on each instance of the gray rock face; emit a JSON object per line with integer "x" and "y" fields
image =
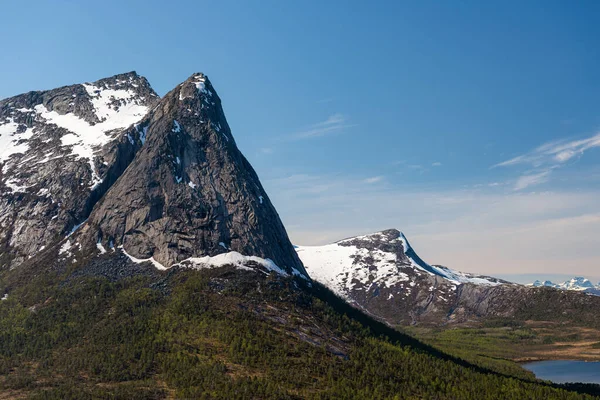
{"x": 60, "y": 151}
{"x": 190, "y": 192}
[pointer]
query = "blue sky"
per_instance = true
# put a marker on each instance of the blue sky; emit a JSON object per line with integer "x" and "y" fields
{"x": 472, "y": 126}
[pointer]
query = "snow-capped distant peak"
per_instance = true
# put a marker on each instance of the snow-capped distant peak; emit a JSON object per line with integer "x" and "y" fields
{"x": 577, "y": 283}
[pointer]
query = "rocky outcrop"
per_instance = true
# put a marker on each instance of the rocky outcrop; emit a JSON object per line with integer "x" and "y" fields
{"x": 60, "y": 151}
{"x": 190, "y": 192}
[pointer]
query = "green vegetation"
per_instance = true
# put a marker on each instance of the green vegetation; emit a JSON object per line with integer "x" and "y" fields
{"x": 492, "y": 348}
{"x": 224, "y": 334}
{"x": 498, "y": 344}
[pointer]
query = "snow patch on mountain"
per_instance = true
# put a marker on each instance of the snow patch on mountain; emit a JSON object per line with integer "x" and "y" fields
{"x": 539, "y": 283}
{"x": 220, "y": 260}
{"x": 136, "y": 260}
{"x": 65, "y": 247}
{"x": 334, "y": 266}
{"x": 201, "y": 83}
{"x": 115, "y": 106}
{"x": 237, "y": 260}
{"x": 231, "y": 258}
{"x": 12, "y": 142}
{"x": 116, "y": 109}
{"x": 100, "y": 247}
{"x": 143, "y": 133}
{"x": 577, "y": 283}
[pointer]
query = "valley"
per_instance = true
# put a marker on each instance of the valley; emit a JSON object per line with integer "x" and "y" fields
{"x": 519, "y": 343}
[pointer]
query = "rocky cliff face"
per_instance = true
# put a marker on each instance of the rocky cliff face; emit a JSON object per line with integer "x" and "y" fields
{"x": 60, "y": 151}
{"x": 190, "y": 193}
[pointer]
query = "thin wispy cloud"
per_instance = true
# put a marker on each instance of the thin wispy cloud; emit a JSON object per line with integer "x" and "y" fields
{"x": 552, "y": 153}
{"x": 335, "y": 123}
{"x": 266, "y": 150}
{"x": 421, "y": 168}
{"x": 547, "y": 157}
{"x": 486, "y": 185}
{"x": 373, "y": 179}
{"x": 525, "y": 181}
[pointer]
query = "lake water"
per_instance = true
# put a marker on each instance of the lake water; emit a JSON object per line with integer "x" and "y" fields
{"x": 563, "y": 371}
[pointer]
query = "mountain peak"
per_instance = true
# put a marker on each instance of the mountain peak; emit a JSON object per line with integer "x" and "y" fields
{"x": 577, "y": 283}
{"x": 384, "y": 257}
{"x": 382, "y": 273}
{"x": 189, "y": 193}
{"x": 124, "y": 76}
{"x": 384, "y": 235}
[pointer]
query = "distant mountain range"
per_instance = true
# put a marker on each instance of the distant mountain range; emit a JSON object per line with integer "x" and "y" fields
{"x": 383, "y": 275}
{"x": 578, "y": 283}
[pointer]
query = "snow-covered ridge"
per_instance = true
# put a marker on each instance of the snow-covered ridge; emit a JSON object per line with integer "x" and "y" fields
{"x": 232, "y": 258}
{"x": 393, "y": 236}
{"x": 384, "y": 259}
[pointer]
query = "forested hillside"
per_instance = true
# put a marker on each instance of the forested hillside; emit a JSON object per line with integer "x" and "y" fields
{"x": 218, "y": 334}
